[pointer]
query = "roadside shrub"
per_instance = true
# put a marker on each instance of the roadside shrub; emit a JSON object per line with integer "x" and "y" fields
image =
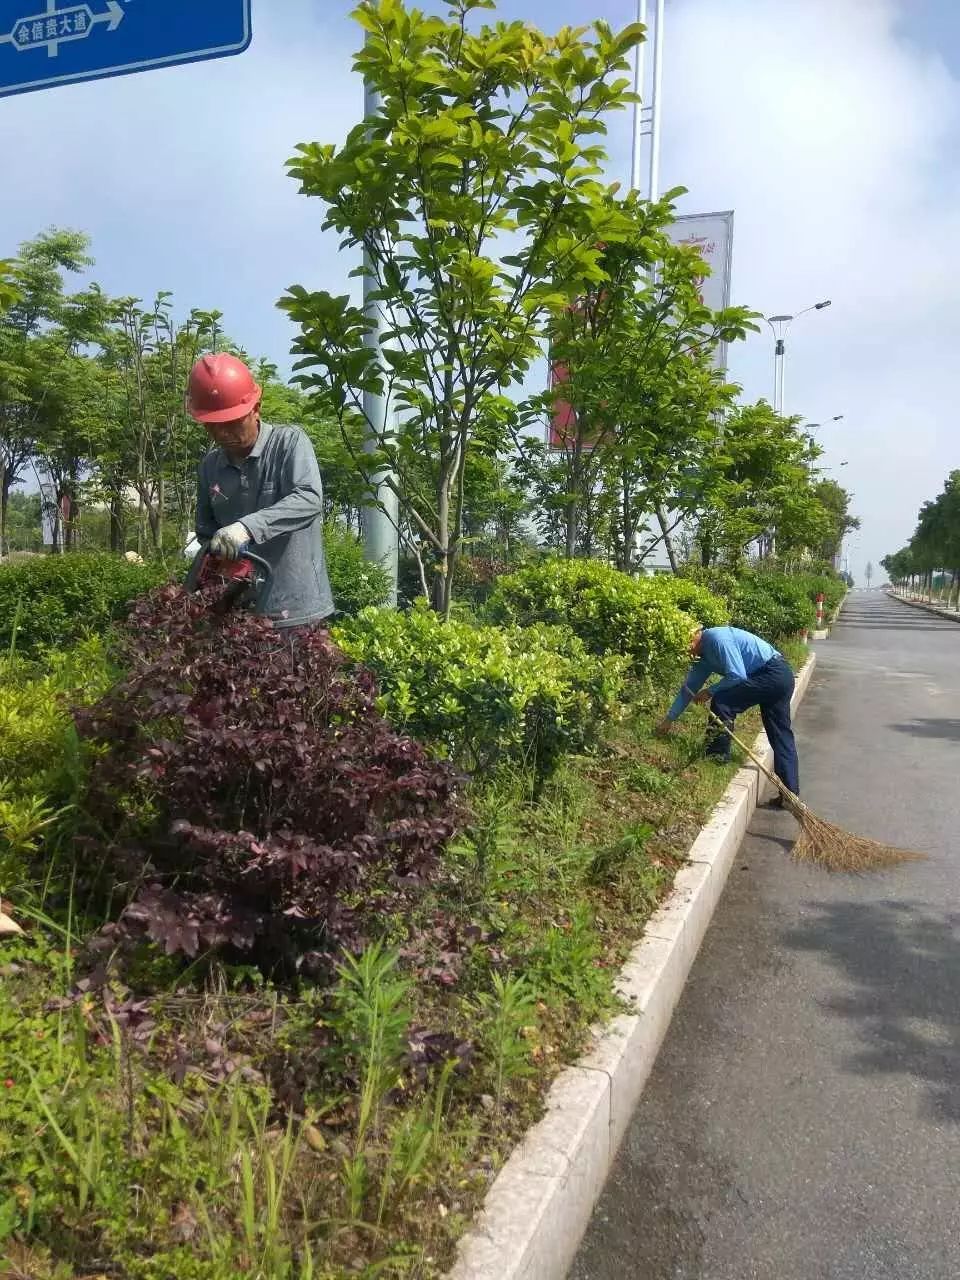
{"x": 772, "y": 605}
{"x": 54, "y": 601}
{"x": 767, "y": 601}
{"x": 475, "y": 577}
{"x": 703, "y": 604}
{"x": 480, "y": 694}
{"x": 719, "y": 582}
{"x": 608, "y": 610}
{"x": 832, "y": 587}
{"x": 248, "y": 793}
{"x": 356, "y": 583}
{"x": 35, "y": 710}
{"x": 39, "y": 765}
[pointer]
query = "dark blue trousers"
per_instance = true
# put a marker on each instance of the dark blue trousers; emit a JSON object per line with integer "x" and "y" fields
{"x": 770, "y": 689}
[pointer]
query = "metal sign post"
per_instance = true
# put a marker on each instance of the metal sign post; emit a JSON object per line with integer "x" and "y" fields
{"x": 44, "y": 43}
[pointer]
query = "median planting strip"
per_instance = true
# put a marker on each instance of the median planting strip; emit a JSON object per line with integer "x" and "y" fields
{"x": 538, "y": 1207}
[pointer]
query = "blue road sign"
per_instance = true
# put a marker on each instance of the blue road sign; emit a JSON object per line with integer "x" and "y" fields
{"x": 49, "y": 42}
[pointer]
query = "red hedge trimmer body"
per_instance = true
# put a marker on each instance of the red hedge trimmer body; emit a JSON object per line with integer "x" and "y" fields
{"x": 244, "y": 579}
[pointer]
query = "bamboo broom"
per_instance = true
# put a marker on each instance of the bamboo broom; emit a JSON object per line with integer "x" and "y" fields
{"x": 821, "y": 842}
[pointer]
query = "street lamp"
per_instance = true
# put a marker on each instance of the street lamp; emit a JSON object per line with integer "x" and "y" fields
{"x": 815, "y": 426}
{"x": 779, "y": 326}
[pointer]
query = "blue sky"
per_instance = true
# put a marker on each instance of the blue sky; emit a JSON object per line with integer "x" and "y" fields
{"x": 829, "y": 126}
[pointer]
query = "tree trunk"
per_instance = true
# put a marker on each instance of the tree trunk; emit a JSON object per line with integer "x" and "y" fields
{"x": 706, "y": 550}
{"x": 156, "y": 527}
{"x": 4, "y": 504}
{"x": 441, "y": 588}
{"x": 68, "y": 506}
{"x": 161, "y": 506}
{"x": 627, "y": 532}
{"x": 571, "y": 513}
{"x": 117, "y": 532}
{"x": 667, "y": 539}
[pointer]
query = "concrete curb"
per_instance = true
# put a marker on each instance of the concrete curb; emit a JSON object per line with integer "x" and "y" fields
{"x": 538, "y": 1208}
{"x": 823, "y": 633}
{"x": 950, "y": 614}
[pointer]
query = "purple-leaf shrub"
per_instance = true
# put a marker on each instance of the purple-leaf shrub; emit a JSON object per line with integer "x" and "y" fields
{"x": 252, "y": 796}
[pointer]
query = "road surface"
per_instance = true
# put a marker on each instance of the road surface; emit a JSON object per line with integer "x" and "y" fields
{"x": 803, "y": 1119}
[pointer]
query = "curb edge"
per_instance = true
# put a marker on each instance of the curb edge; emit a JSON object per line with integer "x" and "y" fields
{"x": 950, "y": 615}
{"x": 539, "y": 1206}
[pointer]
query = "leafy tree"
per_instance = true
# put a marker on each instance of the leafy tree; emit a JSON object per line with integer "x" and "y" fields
{"x": 836, "y": 502}
{"x": 9, "y": 293}
{"x": 639, "y": 353}
{"x": 757, "y": 477}
{"x": 31, "y": 364}
{"x": 24, "y": 529}
{"x": 475, "y": 191}
{"x": 934, "y": 546}
{"x": 151, "y": 445}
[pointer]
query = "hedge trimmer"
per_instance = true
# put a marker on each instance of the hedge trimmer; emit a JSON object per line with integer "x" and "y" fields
{"x": 244, "y": 579}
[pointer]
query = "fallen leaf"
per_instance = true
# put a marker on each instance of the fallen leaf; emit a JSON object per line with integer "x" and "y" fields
{"x": 9, "y": 928}
{"x": 183, "y": 1225}
{"x": 315, "y": 1139}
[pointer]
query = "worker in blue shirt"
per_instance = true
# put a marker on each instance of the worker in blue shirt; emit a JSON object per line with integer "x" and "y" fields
{"x": 753, "y": 674}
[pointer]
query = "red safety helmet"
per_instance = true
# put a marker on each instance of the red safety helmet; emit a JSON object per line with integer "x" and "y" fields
{"x": 221, "y": 389}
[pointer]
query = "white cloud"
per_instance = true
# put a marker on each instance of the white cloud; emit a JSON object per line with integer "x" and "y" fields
{"x": 835, "y": 142}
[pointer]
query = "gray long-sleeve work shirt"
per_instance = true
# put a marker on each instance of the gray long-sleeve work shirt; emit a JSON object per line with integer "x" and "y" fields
{"x": 276, "y": 491}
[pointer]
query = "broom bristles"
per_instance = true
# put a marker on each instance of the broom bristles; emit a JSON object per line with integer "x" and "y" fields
{"x": 822, "y": 843}
{"x": 834, "y": 849}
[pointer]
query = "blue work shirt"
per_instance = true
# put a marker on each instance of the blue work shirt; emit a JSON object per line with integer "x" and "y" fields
{"x": 727, "y": 652}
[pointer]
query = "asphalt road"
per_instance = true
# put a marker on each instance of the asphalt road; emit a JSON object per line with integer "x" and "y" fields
{"x": 803, "y": 1119}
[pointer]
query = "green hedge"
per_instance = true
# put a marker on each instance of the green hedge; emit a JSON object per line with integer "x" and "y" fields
{"x": 705, "y": 605}
{"x": 54, "y": 601}
{"x": 832, "y": 587}
{"x": 355, "y": 582}
{"x": 773, "y": 604}
{"x": 51, "y": 602}
{"x": 610, "y": 611}
{"x": 480, "y": 693}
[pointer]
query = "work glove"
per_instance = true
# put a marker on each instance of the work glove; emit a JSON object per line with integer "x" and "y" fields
{"x": 230, "y": 541}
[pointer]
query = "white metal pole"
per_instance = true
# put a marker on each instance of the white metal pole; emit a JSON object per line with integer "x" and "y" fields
{"x": 780, "y": 353}
{"x": 638, "y": 106}
{"x": 655, "y": 106}
{"x": 381, "y": 515}
{"x": 776, "y": 374}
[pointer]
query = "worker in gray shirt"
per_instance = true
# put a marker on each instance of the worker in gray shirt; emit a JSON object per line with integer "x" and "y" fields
{"x": 260, "y": 485}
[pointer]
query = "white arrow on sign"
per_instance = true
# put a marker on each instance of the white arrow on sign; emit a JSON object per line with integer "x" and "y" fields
{"x": 114, "y": 15}
{"x": 59, "y": 26}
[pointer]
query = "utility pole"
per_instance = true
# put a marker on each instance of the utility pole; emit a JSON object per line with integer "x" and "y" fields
{"x": 381, "y": 517}
{"x": 647, "y": 123}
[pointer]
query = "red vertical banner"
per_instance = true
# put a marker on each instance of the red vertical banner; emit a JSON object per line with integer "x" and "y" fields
{"x": 563, "y": 416}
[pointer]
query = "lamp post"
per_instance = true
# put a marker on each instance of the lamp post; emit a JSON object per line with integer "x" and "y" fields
{"x": 647, "y": 118}
{"x": 779, "y": 326}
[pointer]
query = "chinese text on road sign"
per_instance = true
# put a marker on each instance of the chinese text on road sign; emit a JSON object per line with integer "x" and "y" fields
{"x": 61, "y": 43}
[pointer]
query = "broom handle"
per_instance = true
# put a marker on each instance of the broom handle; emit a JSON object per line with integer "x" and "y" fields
{"x": 768, "y": 774}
